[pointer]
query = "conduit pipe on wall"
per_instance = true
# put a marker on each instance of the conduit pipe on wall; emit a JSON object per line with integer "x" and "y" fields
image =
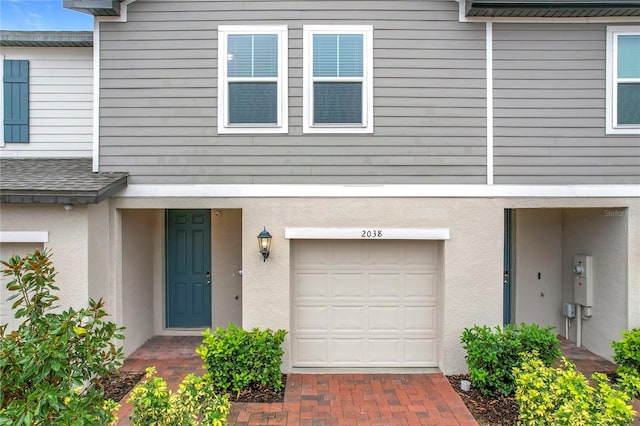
{"x": 578, "y": 325}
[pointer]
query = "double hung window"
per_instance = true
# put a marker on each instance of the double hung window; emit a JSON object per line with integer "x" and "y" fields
{"x": 338, "y": 79}
{"x": 623, "y": 80}
{"x": 252, "y": 79}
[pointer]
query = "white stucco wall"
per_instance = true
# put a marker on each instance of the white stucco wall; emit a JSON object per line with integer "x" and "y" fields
{"x": 472, "y": 257}
{"x": 138, "y": 229}
{"x": 67, "y": 240}
{"x": 99, "y": 243}
{"x": 601, "y": 233}
{"x": 226, "y": 254}
{"x": 475, "y": 245}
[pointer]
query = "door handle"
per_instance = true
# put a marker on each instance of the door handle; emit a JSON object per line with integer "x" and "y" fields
{"x": 208, "y": 278}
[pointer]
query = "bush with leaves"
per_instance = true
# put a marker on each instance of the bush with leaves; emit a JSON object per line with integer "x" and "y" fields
{"x": 50, "y": 364}
{"x": 237, "y": 359}
{"x": 492, "y": 354}
{"x": 563, "y": 396}
{"x": 194, "y": 403}
{"x": 626, "y": 352}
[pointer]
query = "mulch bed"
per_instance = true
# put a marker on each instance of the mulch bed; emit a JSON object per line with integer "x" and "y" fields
{"x": 119, "y": 384}
{"x": 260, "y": 393}
{"x": 487, "y": 410}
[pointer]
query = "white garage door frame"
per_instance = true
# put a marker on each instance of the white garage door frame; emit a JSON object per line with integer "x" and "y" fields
{"x": 367, "y": 233}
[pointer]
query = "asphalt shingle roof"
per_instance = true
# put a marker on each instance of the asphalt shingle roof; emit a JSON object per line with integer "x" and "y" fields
{"x": 56, "y": 180}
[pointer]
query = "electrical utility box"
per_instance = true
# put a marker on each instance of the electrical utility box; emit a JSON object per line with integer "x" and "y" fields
{"x": 583, "y": 280}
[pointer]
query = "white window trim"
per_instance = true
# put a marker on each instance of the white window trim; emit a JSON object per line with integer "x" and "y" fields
{"x": 282, "y": 125}
{"x": 367, "y": 83}
{"x": 612, "y": 81}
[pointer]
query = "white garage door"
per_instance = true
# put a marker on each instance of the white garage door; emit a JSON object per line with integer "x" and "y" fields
{"x": 364, "y": 303}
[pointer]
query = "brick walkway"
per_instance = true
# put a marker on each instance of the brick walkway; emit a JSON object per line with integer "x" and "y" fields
{"x": 317, "y": 399}
{"x": 360, "y": 399}
{"x": 336, "y": 399}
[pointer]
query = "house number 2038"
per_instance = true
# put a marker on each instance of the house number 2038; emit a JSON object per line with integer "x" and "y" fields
{"x": 371, "y": 233}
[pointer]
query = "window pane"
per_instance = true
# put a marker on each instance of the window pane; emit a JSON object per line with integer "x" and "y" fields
{"x": 239, "y": 57}
{"x": 252, "y": 55}
{"x": 350, "y": 55}
{"x": 265, "y": 48}
{"x": 325, "y": 55}
{"x": 628, "y": 103}
{"x": 251, "y": 103}
{"x": 337, "y": 103}
{"x": 629, "y": 56}
{"x": 337, "y": 55}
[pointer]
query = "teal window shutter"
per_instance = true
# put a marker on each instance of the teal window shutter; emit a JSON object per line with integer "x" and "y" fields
{"x": 16, "y": 100}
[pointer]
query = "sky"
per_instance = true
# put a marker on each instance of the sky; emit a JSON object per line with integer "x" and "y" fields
{"x": 41, "y": 15}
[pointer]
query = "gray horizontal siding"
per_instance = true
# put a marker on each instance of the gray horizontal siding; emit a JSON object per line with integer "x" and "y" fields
{"x": 550, "y": 108}
{"x": 159, "y": 106}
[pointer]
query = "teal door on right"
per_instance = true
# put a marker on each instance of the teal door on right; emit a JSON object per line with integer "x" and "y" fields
{"x": 507, "y": 278}
{"x": 188, "y": 283}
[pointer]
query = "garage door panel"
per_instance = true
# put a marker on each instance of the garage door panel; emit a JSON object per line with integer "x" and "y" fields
{"x": 311, "y": 351}
{"x": 349, "y": 285}
{"x": 312, "y": 285}
{"x": 420, "y": 319}
{"x": 373, "y": 303}
{"x": 312, "y": 318}
{"x": 390, "y": 253}
{"x": 418, "y": 253}
{"x": 385, "y": 319}
{"x": 385, "y": 351}
{"x": 349, "y": 253}
{"x": 420, "y": 351}
{"x": 348, "y": 351}
{"x": 385, "y": 286}
{"x": 421, "y": 286}
{"x": 313, "y": 253}
{"x": 348, "y": 318}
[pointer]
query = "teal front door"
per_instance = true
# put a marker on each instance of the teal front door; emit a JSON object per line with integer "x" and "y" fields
{"x": 188, "y": 296}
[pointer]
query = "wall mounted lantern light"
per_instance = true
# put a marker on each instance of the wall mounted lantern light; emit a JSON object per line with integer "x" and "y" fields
{"x": 264, "y": 243}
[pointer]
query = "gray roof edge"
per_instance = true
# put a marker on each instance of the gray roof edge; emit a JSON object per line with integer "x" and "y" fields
{"x": 22, "y": 196}
{"x": 46, "y": 38}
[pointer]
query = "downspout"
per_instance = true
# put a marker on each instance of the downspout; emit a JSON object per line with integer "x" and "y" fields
{"x": 489, "y": 69}
{"x": 96, "y": 95}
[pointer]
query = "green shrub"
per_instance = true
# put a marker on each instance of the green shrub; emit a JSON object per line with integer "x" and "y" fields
{"x": 626, "y": 352}
{"x": 563, "y": 396}
{"x": 237, "y": 359}
{"x": 194, "y": 403}
{"x": 48, "y": 365}
{"x": 492, "y": 355}
{"x": 628, "y": 381}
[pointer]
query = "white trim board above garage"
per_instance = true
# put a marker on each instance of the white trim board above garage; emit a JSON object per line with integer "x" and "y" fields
{"x": 368, "y": 233}
{"x": 24, "y": 236}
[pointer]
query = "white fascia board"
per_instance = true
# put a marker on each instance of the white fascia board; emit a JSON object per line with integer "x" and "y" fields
{"x": 24, "y": 237}
{"x": 377, "y": 191}
{"x": 367, "y": 233}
